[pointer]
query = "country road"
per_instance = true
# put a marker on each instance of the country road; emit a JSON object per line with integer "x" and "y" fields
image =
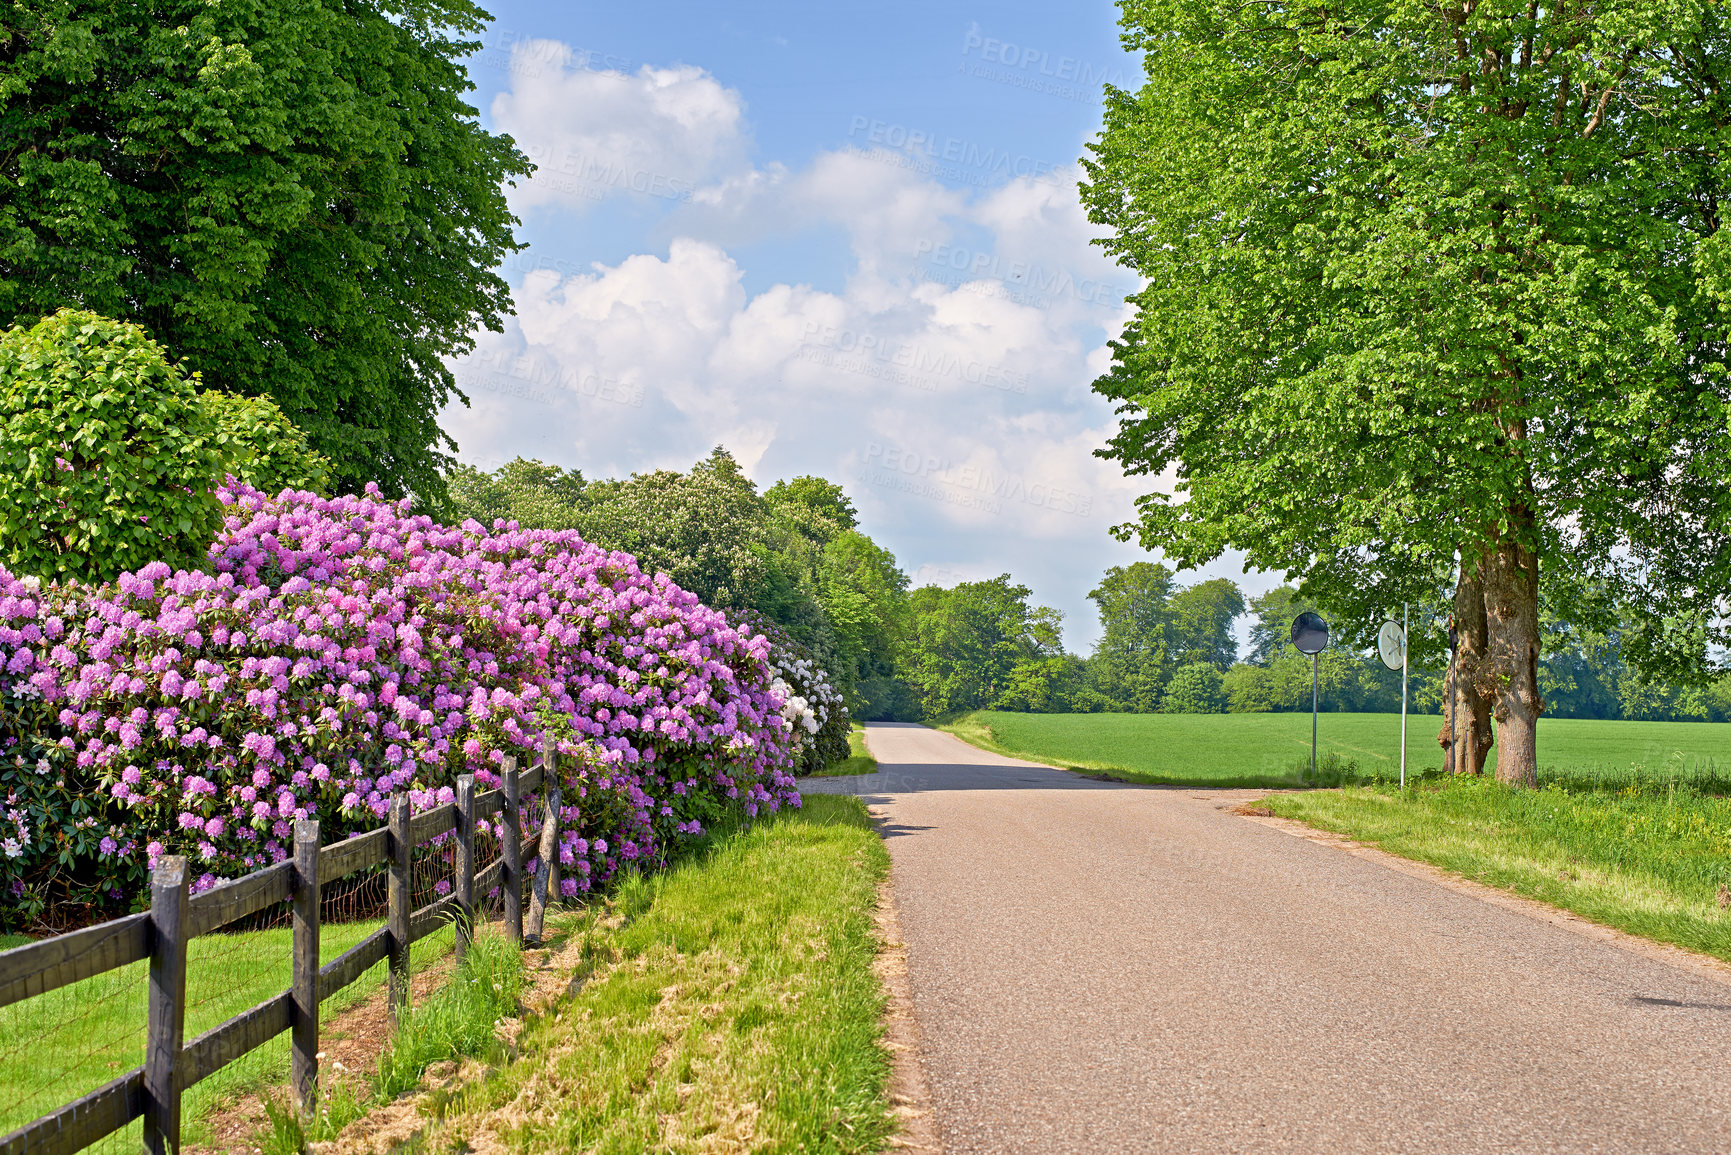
{"x": 1098, "y": 967}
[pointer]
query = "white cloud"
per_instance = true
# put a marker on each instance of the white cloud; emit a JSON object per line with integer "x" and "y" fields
{"x": 885, "y": 208}
{"x": 658, "y": 132}
{"x": 945, "y": 384}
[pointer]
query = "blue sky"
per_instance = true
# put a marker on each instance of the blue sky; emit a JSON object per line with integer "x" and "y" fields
{"x": 840, "y": 239}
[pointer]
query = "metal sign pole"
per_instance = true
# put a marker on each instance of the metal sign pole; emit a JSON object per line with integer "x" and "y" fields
{"x": 1313, "y": 717}
{"x": 1310, "y": 636}
{"x": 1405, "y": 645}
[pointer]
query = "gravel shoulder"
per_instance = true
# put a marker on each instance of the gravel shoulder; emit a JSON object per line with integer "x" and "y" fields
{"x": 1103, "y": 967}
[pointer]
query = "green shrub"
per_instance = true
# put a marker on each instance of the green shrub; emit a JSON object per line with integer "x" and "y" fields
{"x": 111, "y": 457}
{"x": 106, "y": 458}
{"x": 260, "y": 446}
{"x": 1194, "y": 689}
{"x": 1249, "y": 689}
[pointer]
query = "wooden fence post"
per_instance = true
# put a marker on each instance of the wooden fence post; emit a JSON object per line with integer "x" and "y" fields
{"x": 546, "y": 887}
{"x": 464, "y": 883}
{"x": 304, "y": 1042}
{"x": 510, "y": 848}
{"x": 399, "y": 905}
{"x": 168, "y": 909}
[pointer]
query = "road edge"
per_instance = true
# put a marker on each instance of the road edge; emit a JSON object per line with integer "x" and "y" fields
{"x": 1702, "y": 965}
{"x": 910, "y": 1096}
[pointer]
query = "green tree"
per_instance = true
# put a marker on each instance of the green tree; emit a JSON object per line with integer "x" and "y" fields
{"x": 815, "y": 507}
{"x": 292, "y": 197}
{"x": 1195, "y": 688}
{"x": 864, "y": 595}
{"x": 964, "y": 645}
{"x": 1043, "y": 685}
{"x": 1133, "y": 658}
{"x": 705, "y": 529}
{"x": 531, "y": 493}
{"x": 1423, "y": 281}
{"x": 1271, "y": 627}
{"x": 107, "y": 459}
{"x": 1581, "y": 673}
{"x": 1201, "y": 623}
{"x": 1249, "y": 689}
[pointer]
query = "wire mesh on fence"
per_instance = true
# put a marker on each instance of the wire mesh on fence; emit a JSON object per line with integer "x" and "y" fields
{"x": 59, "y": 1046}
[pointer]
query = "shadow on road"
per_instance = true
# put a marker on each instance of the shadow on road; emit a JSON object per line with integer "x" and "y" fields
{"x": 924, "y": 778}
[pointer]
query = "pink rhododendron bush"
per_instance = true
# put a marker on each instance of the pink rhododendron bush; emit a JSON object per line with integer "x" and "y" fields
{"x": 340, "y": 650}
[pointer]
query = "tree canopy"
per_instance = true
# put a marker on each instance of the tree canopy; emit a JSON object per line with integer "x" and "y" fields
{"x": 1134, "y": 656}
{"x": 292, "y": 198}
{"x": 1425, "y": 283}
{"x": 968, "y": 646}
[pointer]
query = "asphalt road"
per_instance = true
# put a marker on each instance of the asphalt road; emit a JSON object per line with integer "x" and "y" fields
{"x": 1098, "y": 967}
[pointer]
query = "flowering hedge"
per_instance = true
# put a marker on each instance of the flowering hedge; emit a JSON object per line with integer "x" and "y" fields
{"x": 339, "y": 650}
{"x": 813, "y": 707}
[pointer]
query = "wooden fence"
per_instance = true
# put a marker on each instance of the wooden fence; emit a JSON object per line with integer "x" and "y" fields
{"x": 152, "y": 1092}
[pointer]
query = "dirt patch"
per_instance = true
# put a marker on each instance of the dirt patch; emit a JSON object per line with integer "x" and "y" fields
{"x": 1251, "y": 810}
{"x": 549, "y": 975}
{"x": 351, "y": 1044}
{"x": 910, "y": 1096}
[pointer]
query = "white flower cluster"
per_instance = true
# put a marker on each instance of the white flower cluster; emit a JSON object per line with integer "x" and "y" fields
{"x": 806, "y": 709}
{"x": 14, "y": 846}
{"x": 796, "y": 712}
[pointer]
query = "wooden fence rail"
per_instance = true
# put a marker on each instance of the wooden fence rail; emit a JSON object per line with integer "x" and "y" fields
{"x": 152, "y": 1092}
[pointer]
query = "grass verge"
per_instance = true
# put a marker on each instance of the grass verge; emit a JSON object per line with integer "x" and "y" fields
{"x": 1653, "y": 860}
{"x": 58, "y": 1046}
{"x": 728, "y": 1003}
{"x": 858, "y": 761}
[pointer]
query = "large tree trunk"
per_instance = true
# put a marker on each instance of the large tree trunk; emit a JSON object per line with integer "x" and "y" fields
{"x": 1512, "y": 610}
{"x": 1464, "y": 689}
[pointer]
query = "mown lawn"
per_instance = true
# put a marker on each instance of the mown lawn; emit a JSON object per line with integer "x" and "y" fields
{"x": 1270, "y": 749}
{"x": 726, "y": 1004}
{"x": 1649, "y": 859}
{"x": 66, "y": 1043}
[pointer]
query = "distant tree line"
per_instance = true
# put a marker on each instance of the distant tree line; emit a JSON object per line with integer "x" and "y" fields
{"x": 796, "y": 554}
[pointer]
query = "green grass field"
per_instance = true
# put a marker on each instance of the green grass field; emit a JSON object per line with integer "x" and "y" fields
{"x": 58, "y": 1046}
{"x": 1258, "y": 750}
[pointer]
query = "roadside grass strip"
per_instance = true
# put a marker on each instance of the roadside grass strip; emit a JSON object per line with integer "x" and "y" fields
{"x": 58, "y": 1046}
{"x": 1652, "y": 859}
{"x": 458, "y": 1019}
{"x": 726, "y": 1004}
{"x": 1269, "y": 750}
{"x": 858, "y": 761}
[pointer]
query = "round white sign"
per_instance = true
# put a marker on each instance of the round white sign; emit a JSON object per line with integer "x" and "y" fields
{"x": 1391, "y": 645}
